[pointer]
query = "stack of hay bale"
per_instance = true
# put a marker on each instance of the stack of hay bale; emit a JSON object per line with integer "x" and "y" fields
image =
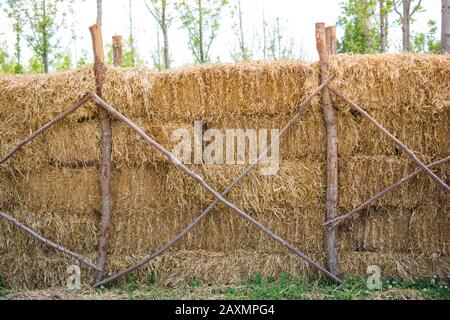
{"x": 52, "y": 185}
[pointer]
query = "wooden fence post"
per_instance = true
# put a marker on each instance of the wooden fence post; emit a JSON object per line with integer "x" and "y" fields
{"x": 117, "y": 50}
{"x": 331, "y": 240}
{"x": 331, "y": 40}
{"x": 106, "y": 147}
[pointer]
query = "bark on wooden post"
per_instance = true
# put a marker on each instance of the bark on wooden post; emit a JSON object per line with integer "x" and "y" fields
{"x": 117, "y": 51}
{"x": 331, "y": 240}
{"x": 331, "y": 40}
{"x": 106, "y": 146}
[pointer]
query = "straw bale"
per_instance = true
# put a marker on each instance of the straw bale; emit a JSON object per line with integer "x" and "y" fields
{"x": 211, "y": 91}
{"x": 78, "y": 145}
{"x": 393, "y": 81}
{"x": 430, "y": 230}
{"x": 427, "y": 133}
{"x": 381, "y": 230}
{"x": 7, "y": 194}
{"x": 297, "y": 184}
{"x": 394, "y": 265}
{"x": 76, "y": 231}
{"x": 61, "y": 189}
{"x": 29, "y": 101}
{"x": 365, "y": 176}
{"x": 177, "y": 267}
{"x": 223, "y": 230}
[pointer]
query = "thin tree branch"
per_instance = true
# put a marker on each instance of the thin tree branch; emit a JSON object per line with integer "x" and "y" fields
{"x": 417, "y": 7}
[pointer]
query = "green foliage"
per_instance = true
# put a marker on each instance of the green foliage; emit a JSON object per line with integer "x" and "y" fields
{"x": 83, "y": 60}
{"x": 35, "y": 65}
{"x": 42, "y": 20}
{"x": 427, "y": 42}
{"x": 243, "y": 52}
{"x": 202, "y": 23}
{"x": 13, "y": 10}
{"x": 361, "y": 34}
{"x": 280, "y": 48}
{"x": 63, "y": 61}
{"x": 274, "y": 44}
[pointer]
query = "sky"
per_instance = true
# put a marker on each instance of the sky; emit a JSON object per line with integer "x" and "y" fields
{"x": 299, "y": 18}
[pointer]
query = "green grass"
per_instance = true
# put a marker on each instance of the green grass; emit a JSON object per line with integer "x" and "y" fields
{"x": 283, "y": 287}
{"x": 286, "y": 287}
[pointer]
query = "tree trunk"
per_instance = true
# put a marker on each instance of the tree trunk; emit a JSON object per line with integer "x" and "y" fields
{"x": 165, "y": 32}
{"x": 383, "y": 26}
{"x": 331, "y": 237}
{"x": 406, "y": 24}
{"x": 99, "y": 12}
{"x": 445, "y": 36}
{"x": 200, "y": 30}
{"x": 45, "y": 44}
{"x": 166, "y": 47}
{"x": 131, "y": 35}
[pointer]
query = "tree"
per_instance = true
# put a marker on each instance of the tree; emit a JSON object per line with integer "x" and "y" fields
{"x": 278, "y": 50}
{"x": 159, "y": 10}
{"x": 43, "y": 18}
{"x": 445, "y": 34}
{"x": 156, "y": 55}
{"x": 131, "y": 36}
{"x": 360, "y": 32}
{"x": 243, "y": 53}
{"x": 13, "y": 10}
{"x": 63, "y": 61}
{"x": 83, "y": 60}
{"x": 202, "y": 22}
{"x": 409, "y": 9}
{"x": 99, "y": 12}
{"x": 384, "y": 10}
{"x": 427, "y": 42}
{"x": 6, "y": 64}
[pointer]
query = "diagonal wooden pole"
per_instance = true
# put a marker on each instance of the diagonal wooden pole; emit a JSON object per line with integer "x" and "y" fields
{"x": 47, "y": 242}
{"x": 411, "y": 154}
{"x": 335, "y": 222}
{"x": 202, "y": 183}
{"x": 106, "y": 149}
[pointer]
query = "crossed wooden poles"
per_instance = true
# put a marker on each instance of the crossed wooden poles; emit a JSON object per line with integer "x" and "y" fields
{"x": 219, "y": 197}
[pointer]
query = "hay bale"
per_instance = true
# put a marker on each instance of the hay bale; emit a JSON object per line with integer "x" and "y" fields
{"x": 29, "y": 271}
{"x": 394, "y": 265}
{"x": 61, "y": 190}
{"x": 77, "y": 232}
{"x": 29, "y": 101}
{"x": 365, "y": 176}
{"x": 425, "y": 132}
{"x": 393, "y": 81}
{"x": 381, "y": 230}
{"x": 143, "y": 232}
{"x": 7, "y": 194}
{"x": 430, "y": 231}
{"x": 296, "y": 185}
{"x": 208, "y": 92}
